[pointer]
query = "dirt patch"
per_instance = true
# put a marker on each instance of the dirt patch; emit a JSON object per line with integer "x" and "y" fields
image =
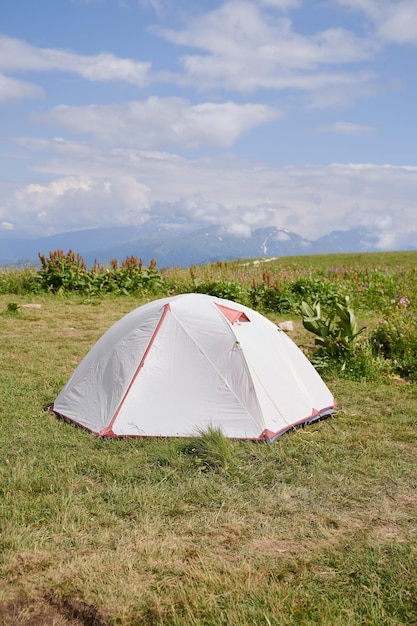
{"x": 32, "y": 613}
{"x": 388, "y": 532}
{"x": 407, "y": 500}
{"x": 50, "y": 612}
{"x": 227, "y": 537}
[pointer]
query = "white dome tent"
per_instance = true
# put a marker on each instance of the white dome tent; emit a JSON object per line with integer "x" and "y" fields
{"x": 177, "y": 366}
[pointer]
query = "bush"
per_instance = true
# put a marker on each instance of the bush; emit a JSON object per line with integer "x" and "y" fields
{"x": 270, "y": 298}
{"x": 360, "y": 364}
{"x": 395, "y": 339}
{"x": 222, "y": 289}
{"x": 313, "y": 289}
{"x": 62, "y": 273}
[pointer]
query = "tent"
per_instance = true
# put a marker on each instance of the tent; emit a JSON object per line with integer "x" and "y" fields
{"x": 179, "y": 365}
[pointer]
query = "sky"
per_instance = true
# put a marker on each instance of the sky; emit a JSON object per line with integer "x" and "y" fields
{"x": 298, "y": 114}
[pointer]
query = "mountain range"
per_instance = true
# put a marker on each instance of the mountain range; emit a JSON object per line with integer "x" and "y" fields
{"x": 180, "y": 244}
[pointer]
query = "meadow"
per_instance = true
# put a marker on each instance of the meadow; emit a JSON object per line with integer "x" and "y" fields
{"x": 318, "y": 528}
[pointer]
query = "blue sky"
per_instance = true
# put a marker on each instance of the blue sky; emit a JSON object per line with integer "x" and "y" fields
{"x": 298, "y": 114}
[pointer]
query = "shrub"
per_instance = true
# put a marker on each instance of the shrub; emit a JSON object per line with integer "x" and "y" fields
{"x": 62, "y": 273}
{"x": 270, "y": 298}
{"x": 359, "y": 364}
{"x": 222, "y": 289}
{"x": 313, "y": 289}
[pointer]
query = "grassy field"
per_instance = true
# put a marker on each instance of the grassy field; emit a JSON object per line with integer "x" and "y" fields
{"x": 318, "y": 528}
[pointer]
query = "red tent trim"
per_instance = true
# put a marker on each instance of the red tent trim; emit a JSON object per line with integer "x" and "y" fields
{"x": 108, "y": 431}
{"x": 231, "y": 314}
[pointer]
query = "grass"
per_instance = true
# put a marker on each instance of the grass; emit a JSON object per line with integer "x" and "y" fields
{"x": 318, "y": 528}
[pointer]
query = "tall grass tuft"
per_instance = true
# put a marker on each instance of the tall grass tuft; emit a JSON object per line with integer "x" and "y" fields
{"x": 211, "y": 450}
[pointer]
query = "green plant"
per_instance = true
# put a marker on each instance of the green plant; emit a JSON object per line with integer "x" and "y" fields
{"x": 64, "y": 273}
{"x": 222, "y": 289}
{"x": 271, "y": 298}
{"x": 20, "y": 280}
{"x": 13, "y": 307}
{"x": 395, "y": 339}
{"x": 335, "y": 333}
{"x": 312, "y": 289}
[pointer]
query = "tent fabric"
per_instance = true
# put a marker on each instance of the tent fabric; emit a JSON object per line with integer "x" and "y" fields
{"x": 178, "y": 365}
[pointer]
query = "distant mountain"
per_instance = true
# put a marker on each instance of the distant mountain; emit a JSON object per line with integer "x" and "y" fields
{"x": 354, "y": 240}
{"x": 181, "y": 244}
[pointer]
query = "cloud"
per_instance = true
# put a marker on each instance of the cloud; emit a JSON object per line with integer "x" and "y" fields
{"x": 157, "y": 122}
{"x": 245, "y": 49}
{"x": 90, "y": 186}
{"x": 399, "y": 23}
{"x": 194, "y": 208}
{"x": 347, "y": 128}
{"x": 74, "y": 202}
{"x": 19, "y": 56}
{"x": 14, "y": 90}
{"x": 395, "y": 21}
{"x": 282, "y": 5}
{"x": 157, "y": 5}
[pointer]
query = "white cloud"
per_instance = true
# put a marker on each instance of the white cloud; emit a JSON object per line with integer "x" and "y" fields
{"x": 74, "y": 202}
{"x": 395, "y": 21}
{"x": 369, "y": 7}
{"x": 282, "y": 5}
{"x": 157, "y": 122}
{"x": 347, "y": 128}
{"x": 19, "y": 56}
{"x": 91, "y": 187}
{"x": 245, "y": 49}
{"x": 240, "y": 230}
{"x": 195, "y": 208}
{"x": 14, "y": 90}
{"x": 399, "y": 23}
